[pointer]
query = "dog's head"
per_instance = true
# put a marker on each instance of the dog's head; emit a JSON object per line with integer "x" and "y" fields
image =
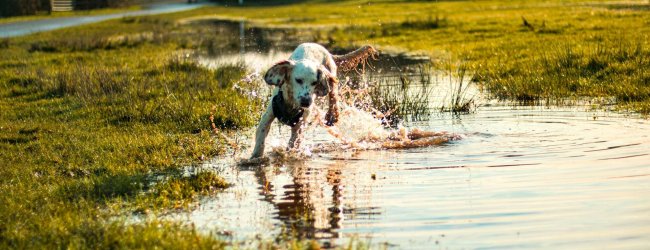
{"x": 301, "y": 80}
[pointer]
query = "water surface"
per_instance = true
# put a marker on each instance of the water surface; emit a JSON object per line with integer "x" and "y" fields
{"x": 520, "y": 177}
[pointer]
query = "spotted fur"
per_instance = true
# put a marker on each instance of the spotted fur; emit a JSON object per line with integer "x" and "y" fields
{"x": 309, "y": 72}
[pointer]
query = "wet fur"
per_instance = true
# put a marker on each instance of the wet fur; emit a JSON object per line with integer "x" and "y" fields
{"x": 317, "y": 68}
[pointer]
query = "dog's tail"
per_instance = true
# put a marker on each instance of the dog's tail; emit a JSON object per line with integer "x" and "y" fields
{"x": 350, "y": 60}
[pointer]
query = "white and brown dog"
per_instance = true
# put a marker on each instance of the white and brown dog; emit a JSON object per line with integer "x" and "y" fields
{"x": 310, "y": 72}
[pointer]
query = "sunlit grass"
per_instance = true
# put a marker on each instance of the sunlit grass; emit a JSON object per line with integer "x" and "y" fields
{"x": 87, "y": 130}
{"x": 516, "y": 49}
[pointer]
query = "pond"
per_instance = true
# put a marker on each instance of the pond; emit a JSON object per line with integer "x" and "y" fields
{"x": 519, "y": 177}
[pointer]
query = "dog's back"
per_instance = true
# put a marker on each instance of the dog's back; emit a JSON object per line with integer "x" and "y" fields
{"x": 311, "y": 51}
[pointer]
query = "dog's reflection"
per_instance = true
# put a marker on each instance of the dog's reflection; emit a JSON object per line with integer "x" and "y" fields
{"x": 308, "y": 198}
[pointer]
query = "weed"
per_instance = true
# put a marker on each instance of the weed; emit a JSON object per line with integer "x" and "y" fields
{"x": 228, "y": 74}
{"x": 402, "y": 96}
{"x": 460, "y": 100}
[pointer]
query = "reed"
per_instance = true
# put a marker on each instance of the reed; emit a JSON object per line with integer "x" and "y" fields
{"x": 402, "y": 96}
{"x": 460, "y": 100}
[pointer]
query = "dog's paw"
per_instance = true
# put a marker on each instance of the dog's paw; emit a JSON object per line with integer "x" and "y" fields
{"x": 331, "y": 118}
{"x": 254, "y": 161}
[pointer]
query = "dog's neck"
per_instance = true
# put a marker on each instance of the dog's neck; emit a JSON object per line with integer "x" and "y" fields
{"x": 288, "y": 99}
{"x": 284, "y": 112}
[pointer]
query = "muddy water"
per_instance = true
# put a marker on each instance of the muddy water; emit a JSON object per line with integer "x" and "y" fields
{"x": 520, "y": 177}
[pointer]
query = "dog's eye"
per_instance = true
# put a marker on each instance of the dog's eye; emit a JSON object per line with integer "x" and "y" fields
{"x": 299, "y": 81}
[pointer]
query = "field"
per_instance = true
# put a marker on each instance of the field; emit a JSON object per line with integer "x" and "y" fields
{"x": 519, "y": 50}
{"x": 98, "y": 121}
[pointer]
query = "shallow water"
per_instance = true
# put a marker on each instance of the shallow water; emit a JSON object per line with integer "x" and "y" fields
{"x": 522, "y": 177}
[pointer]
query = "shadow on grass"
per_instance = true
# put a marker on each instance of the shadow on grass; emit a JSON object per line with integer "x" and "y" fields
{"x": 637, "y": 7}
{"x": 104, "y": 187}
{"x": 167, "y": 190}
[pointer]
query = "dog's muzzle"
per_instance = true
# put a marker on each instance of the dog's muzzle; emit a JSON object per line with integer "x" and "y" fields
{"x": 305, "y": 101}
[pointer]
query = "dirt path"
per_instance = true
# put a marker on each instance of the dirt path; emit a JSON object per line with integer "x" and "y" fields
{"x": 33, "y": 26}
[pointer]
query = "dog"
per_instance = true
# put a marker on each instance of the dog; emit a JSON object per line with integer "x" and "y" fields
{"x": 310, "y": 72}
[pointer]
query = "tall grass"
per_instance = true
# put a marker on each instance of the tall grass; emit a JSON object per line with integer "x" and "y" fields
{"x": 403, "y": 96}
{"x": 460, "y": 100}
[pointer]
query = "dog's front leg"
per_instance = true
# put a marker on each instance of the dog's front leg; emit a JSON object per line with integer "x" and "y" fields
{"x": 332, "y": 115}
{"x": 294, "y": 141}
{"x": 263, "y": 131}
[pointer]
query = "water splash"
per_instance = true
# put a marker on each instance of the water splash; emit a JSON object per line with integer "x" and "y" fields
{"x": 256, "y": 62}
{"x": 356, "y": 130}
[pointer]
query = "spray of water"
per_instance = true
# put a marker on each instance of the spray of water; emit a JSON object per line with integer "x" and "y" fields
{"x": 360, "y": 127}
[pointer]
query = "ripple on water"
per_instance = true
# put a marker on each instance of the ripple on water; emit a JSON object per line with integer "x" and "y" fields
{"x": 520, "y": 178}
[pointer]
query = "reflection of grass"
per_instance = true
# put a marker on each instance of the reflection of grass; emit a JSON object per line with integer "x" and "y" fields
{"x": 517, "y": 49}
{"x": 407, "y": 95}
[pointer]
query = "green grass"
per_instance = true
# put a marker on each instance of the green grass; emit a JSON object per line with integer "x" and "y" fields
{"x": 395, "y": 98}
{"x": 517, "y": 50}
{"x": 87, "y": 128}
{"x": 93, "y": 116}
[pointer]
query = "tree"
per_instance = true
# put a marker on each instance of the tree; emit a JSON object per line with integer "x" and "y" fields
{"x": 22, "y": 7}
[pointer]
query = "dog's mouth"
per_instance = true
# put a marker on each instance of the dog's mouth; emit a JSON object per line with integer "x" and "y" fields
{"x": 305, "y": 102}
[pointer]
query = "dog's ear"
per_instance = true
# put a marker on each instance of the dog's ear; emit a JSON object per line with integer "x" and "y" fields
{"x": 325, "y": 80}
{"x": 279, "y": 73}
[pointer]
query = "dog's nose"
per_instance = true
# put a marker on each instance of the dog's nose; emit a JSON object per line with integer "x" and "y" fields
{"x": 305, "y": 101}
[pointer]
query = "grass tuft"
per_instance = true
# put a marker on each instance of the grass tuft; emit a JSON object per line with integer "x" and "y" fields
{"x": 178, "y": 191}
{"x": 460, "y": 100}
{"x": 403, "y": 96}
{"x": 601, "y": 69}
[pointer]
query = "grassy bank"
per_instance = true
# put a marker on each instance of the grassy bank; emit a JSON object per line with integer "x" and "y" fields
{"x": 92, "y": 118}
{"x": 518, "y": 50}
